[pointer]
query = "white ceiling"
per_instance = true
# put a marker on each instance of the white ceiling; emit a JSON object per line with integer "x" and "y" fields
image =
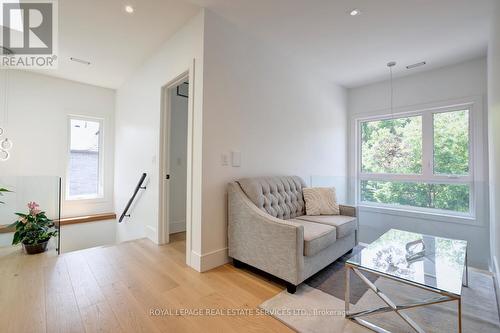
{"x": 353, "y": 51}
{"x": 115, "y": 42}
{"x": 318, "y": 34}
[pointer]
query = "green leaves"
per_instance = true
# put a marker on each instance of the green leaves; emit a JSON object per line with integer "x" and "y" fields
{"x": 392, "y": 146}
{"x": 3, "y": 190}
{"x": 454, "y": 197}
{"x": 451, "y": 143}
{"x": 33, "y": 229}
{"x": 17, "y": 238}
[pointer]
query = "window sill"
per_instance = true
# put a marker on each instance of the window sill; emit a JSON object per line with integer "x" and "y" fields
{"x": 88, "y": 218}
{"x": 439, "y": 217}
{"x": 88, "y": 199}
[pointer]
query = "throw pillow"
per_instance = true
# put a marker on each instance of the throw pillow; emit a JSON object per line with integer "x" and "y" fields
{"x": 321, "y": 201}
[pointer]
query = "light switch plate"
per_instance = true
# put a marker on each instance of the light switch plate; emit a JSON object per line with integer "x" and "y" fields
{"x": 236, "y": 159}
{"x": 224, "y": 159}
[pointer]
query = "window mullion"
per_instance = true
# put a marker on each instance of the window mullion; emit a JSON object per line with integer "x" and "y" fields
{"x": 427, "y": 146}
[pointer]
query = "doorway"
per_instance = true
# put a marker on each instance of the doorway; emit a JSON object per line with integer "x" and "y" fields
{"x": 175, "y": 162}
{"x": 177, "y": 157}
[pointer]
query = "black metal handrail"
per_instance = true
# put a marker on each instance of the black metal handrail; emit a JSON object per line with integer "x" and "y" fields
{"x": 137, "y": 188}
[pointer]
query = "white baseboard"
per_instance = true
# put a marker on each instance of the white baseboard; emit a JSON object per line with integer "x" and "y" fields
{"x": 151, "y": 234}
{"x": 496, "y": 279}
{"x": 495, "y": 268}
{"x": 177, "y": 226}
{"x": 195, "y": 261}
{"x": 207, "y": 261}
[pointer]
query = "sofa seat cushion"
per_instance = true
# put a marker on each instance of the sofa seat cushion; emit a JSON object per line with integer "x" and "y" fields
{"x": 317, "y": 236}
{"x": 345, "y": 225}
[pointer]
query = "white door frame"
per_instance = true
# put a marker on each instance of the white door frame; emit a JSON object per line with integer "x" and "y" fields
{"x": 164, "y": 158}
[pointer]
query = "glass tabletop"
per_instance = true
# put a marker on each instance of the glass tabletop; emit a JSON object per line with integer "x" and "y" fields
{"x": 430, "y": 261}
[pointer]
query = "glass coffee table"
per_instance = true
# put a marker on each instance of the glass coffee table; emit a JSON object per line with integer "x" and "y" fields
{"x": 431, "y": 263}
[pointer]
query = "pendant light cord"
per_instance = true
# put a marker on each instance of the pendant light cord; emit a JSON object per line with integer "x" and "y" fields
{"x": 5, "y": 95}
{"x": 392, "y": 94}
{"x": 390, "y": 65}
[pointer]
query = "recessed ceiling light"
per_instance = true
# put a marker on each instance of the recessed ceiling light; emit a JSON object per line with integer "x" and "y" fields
{"x": 129, "y": 9}
{"x": 355, "y": 12}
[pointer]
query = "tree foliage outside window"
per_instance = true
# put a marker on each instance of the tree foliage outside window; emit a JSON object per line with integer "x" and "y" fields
{"x": 424, "y": 195}
{"x": 392, "y": 154}
{"x": 451, "y": 143}
{"x": 392, "y": 146}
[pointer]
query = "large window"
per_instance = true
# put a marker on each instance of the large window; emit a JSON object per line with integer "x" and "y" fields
{"x": 84, "y": 179}
{"x": 421, "y": 161}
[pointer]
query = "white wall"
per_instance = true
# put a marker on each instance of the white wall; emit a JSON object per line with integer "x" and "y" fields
{"x": 86, "y": 235}
{"x": 37, "y": 123}
{"x": 138, "y": 118}
{"x": 178, "y": 162}
{"x": 464, "y": 82}
{"x": 283, "y": 120}
{"x": 494, "y": 133}
{"x": 43, "y": 190}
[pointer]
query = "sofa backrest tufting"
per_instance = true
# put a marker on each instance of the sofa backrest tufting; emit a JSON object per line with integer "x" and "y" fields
{"x": 279, "y": 196}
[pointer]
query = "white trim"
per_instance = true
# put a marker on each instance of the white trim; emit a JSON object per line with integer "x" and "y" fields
{"x": 163, "y": 165}
{"x": 99, "y": 197}
{"x": 150, "y": 231}
{"x": 195, "y": 260}
{"x": 496, "y": 279}
{"x": 422, "y": 215}
{"x": 496, "y": 270}
{"x": 476, "y": 168}
{"x": 209, "y": 260}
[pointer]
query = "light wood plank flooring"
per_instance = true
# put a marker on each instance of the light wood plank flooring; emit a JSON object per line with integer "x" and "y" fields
{"x": 114, "y": 288}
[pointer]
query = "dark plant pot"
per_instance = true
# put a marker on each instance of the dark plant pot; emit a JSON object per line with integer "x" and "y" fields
{"x": 36, "y": 248}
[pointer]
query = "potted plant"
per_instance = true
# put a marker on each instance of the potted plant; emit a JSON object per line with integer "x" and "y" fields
{"x": 33, "y": 230}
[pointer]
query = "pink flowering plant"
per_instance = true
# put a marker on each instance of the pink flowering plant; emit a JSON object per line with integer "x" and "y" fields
{"x": 34, "y": 227}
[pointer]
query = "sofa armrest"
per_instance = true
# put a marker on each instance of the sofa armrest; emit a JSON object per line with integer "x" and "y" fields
{"x": 347, "y": 210}
{"x": 263, "y": 241}
{"x": 351, "y": 211}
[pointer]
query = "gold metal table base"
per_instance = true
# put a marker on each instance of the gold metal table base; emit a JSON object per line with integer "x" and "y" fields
{"x": 391, "y": 306}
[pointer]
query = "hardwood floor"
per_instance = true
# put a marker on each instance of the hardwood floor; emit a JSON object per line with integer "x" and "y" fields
{"x": 115, "y": 288}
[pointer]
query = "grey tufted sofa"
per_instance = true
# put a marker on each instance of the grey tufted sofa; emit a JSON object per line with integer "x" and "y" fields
{"x": 268, "y": 229}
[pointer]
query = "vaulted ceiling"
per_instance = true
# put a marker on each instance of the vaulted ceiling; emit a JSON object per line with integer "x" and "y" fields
{"x": 114, "y": 41}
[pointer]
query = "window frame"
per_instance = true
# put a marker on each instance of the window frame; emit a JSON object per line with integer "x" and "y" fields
{"x": 91, "y": 197}
{"x": 427, "y": 175}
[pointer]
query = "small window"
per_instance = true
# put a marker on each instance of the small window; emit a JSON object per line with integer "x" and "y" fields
{"x": 85, "y": 160}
